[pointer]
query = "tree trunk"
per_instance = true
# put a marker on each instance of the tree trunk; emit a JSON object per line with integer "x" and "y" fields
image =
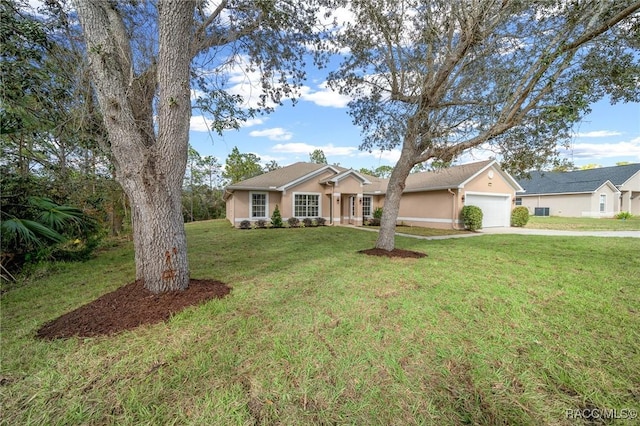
{"x": 150, "y": 160}
{"x": 158, "y": 234}
{"x": 386, "y": 236}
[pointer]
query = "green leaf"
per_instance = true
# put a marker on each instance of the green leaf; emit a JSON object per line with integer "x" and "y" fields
{"x": 29, "y": 232}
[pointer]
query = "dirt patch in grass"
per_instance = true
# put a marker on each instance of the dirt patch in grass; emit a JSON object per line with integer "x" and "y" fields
{"x": 129, "y": 307}
{"x": 394, "y": 253}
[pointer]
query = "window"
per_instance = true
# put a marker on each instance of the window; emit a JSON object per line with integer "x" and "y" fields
{"x": 603, "y": 203}
{"x": 518, "y": 201}
{"x": 366, "y": 206}
{"x": 306, "y": 205}
{"x": 258, "y": 204}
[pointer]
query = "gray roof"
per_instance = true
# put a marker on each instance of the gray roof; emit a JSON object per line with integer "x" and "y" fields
{"x": 450, "y": 177}
{"x": 281, "y": 177}
{"x": 577, "y": 181}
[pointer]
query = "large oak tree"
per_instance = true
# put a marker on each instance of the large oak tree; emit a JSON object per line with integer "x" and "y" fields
{"x": 144, "y": 58}
{"x": 441, "y": 77}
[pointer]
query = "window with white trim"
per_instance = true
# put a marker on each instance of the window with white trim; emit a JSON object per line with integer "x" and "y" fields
{"x": 306, "y": 205}
{"x": 518, "y": 201}
{"x": 366, "y": 206}
{"x": 259, "y": 204}
{"x": 603, "y": 203}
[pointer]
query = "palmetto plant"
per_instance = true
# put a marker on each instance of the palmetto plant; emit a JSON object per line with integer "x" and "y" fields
{"x": 43, "y": 223}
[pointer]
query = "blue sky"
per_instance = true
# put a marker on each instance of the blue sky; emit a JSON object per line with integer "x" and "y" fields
{"x": 320, "y": 120}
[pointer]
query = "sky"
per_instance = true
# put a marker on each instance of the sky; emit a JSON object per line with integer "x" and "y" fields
{"x": 320, "y": 120}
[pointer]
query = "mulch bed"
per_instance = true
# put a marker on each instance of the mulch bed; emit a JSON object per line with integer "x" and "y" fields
{"x": 394, "y": 253}
{"x": 129, "y": 307}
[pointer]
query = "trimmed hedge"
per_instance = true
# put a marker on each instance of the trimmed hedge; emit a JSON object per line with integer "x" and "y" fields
{"x": 472, "y": 217}
{"x": 519, "y": 216}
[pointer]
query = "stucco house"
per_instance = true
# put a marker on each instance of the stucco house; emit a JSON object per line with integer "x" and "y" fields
{"x": 601, "y": 192}
{"x": 345, "y": 196}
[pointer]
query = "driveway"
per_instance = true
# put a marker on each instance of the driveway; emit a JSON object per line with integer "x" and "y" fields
{"x": 526, "y": 231}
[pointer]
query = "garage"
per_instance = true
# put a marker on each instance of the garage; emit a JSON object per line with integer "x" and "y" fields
{"x": 496, "y": 208}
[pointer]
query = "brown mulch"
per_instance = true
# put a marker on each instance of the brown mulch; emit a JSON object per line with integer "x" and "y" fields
{"x": 129, "y": 307}
{"x": 394, "y": 253}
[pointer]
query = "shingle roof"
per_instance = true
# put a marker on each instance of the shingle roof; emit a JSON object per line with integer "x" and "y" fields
{"x": 577, "y": 181}
{"x": 444, "y": 178}
{"x": 451, "y": 177}
{"x": 280, "y": 177}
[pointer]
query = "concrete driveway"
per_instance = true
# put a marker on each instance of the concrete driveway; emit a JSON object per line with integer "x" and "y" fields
{"x": 526, "y": 231}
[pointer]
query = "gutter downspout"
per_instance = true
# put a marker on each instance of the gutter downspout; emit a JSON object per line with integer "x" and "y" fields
{"x": 453, "y": 209}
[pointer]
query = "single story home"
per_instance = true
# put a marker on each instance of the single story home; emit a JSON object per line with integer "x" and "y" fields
{"x": 601, "y": 192}
{"x": 344, "y": 196}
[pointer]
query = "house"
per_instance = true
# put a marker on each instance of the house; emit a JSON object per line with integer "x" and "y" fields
{"x": 601, "y": 192}
{"x": 344, "y": 196}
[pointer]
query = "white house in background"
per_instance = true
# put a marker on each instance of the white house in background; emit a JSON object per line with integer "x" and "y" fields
{"x": 601, "y": 192}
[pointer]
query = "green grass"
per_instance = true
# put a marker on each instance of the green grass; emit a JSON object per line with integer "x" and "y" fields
{"x": 497, "y": 329}
{"x": 425, "y": 232}
{"x": 584, "y": 223}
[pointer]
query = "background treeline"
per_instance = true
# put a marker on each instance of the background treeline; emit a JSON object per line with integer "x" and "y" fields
{"x": 58, "y": 193}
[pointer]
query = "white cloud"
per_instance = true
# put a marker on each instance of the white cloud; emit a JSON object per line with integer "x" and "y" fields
{"x": 304, "y": 148}
{"x": 200, "y": 123}
{"x": 628, "y": 149}
{"x": 325, "y": 97}
{"x": 390, "y": 157}
{"x": 598, "y": 134}
{"x": 275, "y": 134}
{"x": 252, "y": 122}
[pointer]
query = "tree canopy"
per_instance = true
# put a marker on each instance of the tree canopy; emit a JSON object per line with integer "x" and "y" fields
{"x": 318, "y": 157}
{"x": 439, "y": 77}
{"x": 240, "y": 166}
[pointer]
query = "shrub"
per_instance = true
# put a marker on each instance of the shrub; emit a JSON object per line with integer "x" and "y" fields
{"x": 307, "y": 221}
{"x": 375, "y": 221}
{"x": 320, "y": 221}
{"x": 623, "y": 215}
{"x": 519, "y": 216}
{"x": 276, "y": 218}
{"x": 472, "y": 217}
{"x": 245, "y": 224}
{"x": 377, "y": 213}
{"x": 261, "y": 223}
{"x": 294, "y": 222}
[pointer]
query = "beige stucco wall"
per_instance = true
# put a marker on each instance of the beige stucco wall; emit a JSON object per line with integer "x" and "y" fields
{"x": 238, "y": 205}
{"x": 483, "y": 183}
{"x": 575, "y": 205}
{"x": 433, "y": 209}
{"x": 630, "y": 201}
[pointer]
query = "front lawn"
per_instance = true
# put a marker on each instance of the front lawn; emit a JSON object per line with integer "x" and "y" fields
{"x": 424, "y": 232}
{"x": 501, "y": 329}
{"x": 584, "y": 223}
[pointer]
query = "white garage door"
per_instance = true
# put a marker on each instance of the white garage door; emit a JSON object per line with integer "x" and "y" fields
{"x": 496, "y": 209}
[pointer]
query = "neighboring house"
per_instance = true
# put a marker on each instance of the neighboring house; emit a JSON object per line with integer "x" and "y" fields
{"x": 601, "y": 192}
{"x": 344, "y": 196}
